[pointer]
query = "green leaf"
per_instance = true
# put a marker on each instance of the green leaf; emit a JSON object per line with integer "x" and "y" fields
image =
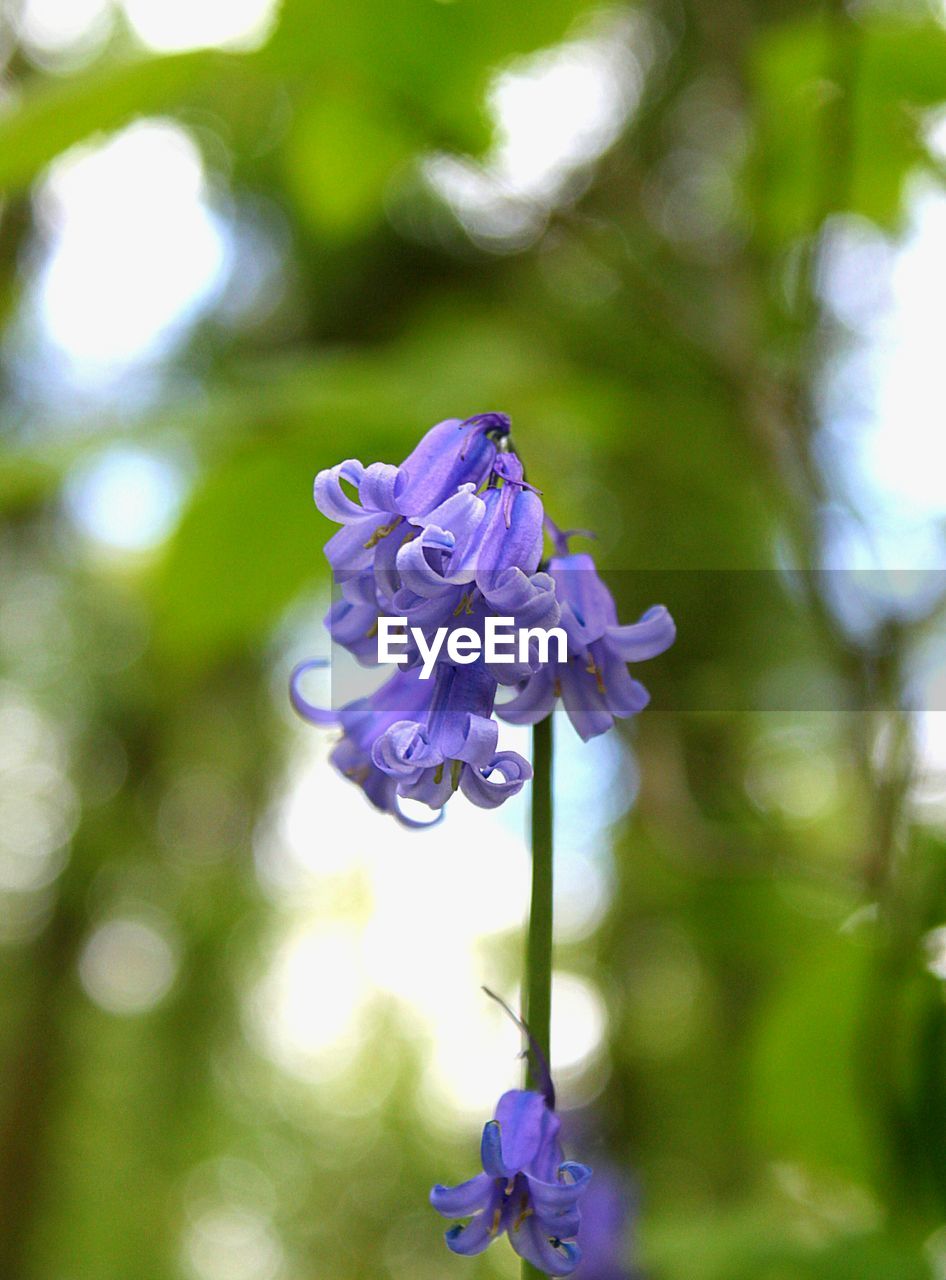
{"x": 57, "y": 114}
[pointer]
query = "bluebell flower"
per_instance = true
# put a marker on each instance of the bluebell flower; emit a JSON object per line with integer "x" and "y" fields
{"x": 451, "y": 454}
{"x": 452, "y": 744}
{"x": 527, "y": 1189}
{"x": 594, "y": 683}
{"x": 362, "y": 722}
{"x": 475, "y": 555}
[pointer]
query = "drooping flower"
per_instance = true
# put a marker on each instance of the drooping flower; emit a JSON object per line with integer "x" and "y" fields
{"x": 452, "y": 745}
{"x": 451, "y": 454}
{"x": 594, "y": 682}
{"x": 362, "y": 722}
{"x": 527, "y": 1190}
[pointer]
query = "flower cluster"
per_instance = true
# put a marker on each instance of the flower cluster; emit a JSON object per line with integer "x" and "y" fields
{"x": 527, "y": 1189}
{"x": 456, "y": 532}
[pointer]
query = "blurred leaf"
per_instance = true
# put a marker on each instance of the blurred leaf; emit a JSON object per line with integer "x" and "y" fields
{"x": 818, "y": 81}
{"x": 806, "y": 1100}
{"x": 248, "y": 543}
{"x": 339, "y": 157}
{"x": 57, "y": 114}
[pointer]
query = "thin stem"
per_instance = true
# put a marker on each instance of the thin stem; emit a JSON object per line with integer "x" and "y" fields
{"x": 539, "y": 944}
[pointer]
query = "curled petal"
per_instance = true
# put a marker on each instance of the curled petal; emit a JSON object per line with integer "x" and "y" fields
{"x": 423, "y": 564}
{"x": 474, "y": 741}
{"x": 473, "y": 1238}
{"x": 556, "y": 1202}
{"x": 478, "y": 786}
{"x": 380, "y": 487}
{"x": 547, "y": 1253}
{"x": 331, "y": 499}
{"x": 432, "y": 787}
{"x": 653, "y": 634}
{"x": 414, "y": 824}
{"x": 534, "y": 701}
{"x": 624, "y": 695}
{"x": 404, "y": 750}
{"x": 315, "y": 715}
{"x": 463, "y": 1200}
{"x": 530, "y": 600}
{"x": 354, "y": 626}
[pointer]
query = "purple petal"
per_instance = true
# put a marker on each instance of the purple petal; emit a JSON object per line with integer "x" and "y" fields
{"x": 450, "y": 454}
{"x": 577, "y": 584}
{"x": 552, "y": 1199}
{"x": 380, "y": 487}
{"x": 531, "y": 1242}
{"x": 306, "y": 709}
{"x": 521, "y": 1124}
{"x": 473, "y": 1238}
{"x": 348, "y": 551}
{"x": 624, "y": 695}
{"x": 404, "y": 750}
{"x": 354, "y": 627}
{"x": 433, "y": 787}
{"x": 530, "y": 600}
{"x": 584, "y": 701}
{"x": 422, "y": 562}
{"x": 414, "y": 824}
{"x": 479, "y": 787}
{"x": 511, "y": 534}
{"x": 534, "y": 701}
{"x": 463, "y": 1200}
{"x": 653, "y": 634}
{"x": 331, "y": 499}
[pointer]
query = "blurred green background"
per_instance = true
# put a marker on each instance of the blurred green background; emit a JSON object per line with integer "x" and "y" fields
{"x": 697, "y": 250}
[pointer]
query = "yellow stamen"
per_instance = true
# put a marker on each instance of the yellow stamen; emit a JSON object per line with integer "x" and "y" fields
{"x": 524, "y": 1213}
{"x": 381, "y": 532}
{"x": 438, "y": 773}
{"x": 594, "y": 670}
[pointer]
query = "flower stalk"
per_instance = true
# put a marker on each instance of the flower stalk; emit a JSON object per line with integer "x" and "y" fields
{"x": 539, "y": 938}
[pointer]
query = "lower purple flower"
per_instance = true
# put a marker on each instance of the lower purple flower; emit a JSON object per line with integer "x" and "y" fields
{"x": 452, "y": 746}
{"x": 362, "y": 722}
{"x": 527, "y": 1190}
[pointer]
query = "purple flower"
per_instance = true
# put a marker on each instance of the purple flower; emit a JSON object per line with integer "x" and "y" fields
{"x": 451, "y": 454}
{"x": 451, "y": 745}
{"x": 527, "y": 1189}
{"x": 594, "y": 682}
{"x": 363, "y": 722}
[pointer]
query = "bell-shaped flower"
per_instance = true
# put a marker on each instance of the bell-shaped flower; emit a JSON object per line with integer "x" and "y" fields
{"x": 451, "y": 454}
{"x": 527, "y": 1190}
{"x": 476, "y": 555}
{"x": 594, "y": 682}
{"x": 453, "y": 745}
{"x": 362, "y": 722}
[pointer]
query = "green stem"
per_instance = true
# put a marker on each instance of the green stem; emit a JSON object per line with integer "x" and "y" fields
{"x": 538, "y": 1010}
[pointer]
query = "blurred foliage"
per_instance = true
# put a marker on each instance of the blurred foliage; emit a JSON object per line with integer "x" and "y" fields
{"x": 776, "y": 1047}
